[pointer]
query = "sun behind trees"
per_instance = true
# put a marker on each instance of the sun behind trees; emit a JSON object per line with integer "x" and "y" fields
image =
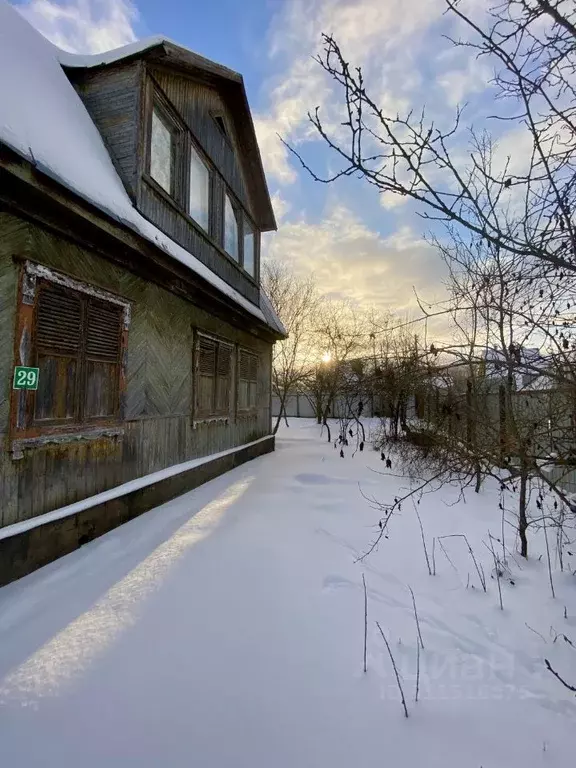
{"x": 496, "y": 396}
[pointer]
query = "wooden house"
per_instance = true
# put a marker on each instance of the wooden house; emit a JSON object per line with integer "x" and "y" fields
{"x": 134, "y": 333}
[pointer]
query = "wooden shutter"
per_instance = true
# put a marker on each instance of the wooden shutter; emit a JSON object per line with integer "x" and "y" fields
{"x": 102, "y": 358}
{"x": 224, "y": 376}
{"x": 206, "y": 366}
{"x": 247, "y": 380}
{"x": 58, "y": 341}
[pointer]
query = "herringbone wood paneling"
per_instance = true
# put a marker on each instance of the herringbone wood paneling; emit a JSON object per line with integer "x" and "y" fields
{"x": 158, "y": 428}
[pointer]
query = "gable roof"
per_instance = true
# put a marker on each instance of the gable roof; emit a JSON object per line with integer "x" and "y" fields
{"x": 43, "y": 119}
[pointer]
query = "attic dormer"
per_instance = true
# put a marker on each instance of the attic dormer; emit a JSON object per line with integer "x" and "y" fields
{"x": 179, "y": 131}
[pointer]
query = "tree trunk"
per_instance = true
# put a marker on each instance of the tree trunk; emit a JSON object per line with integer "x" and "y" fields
{"x": 478, "y": 473}
{"x": 522, "y": 519}
{"x": 280, "y": 412}
{"x": 325, "y": 424}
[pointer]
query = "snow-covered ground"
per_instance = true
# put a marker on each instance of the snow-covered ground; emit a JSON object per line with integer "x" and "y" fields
{"x": 225, "y": 630}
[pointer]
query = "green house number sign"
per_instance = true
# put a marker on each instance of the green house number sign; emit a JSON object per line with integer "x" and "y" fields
{"x": 26, "y": 378}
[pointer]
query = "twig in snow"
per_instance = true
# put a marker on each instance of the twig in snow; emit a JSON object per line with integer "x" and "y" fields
{"x": 365, "y": 620}
{"x": 417, "y": 671}
{"x": 503, "y": 536}
{"x": 548, "y": 557}
{"x": 423, "y": 537}
{"x": 556, "y": 675}
{"x": 416, "y": 616}
{"x": 395, "y": 670}
{"x": 563, "y": 636}
{"x": 479, "y": 570}
{"x": 496, "y": 568}
{"x": 446, "y": 555}
{"x": 535, "y": 632}
{"x": 434, "y": 556}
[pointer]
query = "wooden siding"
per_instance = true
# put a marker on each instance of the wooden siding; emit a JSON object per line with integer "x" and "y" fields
{"x": 175, "y": 225}
{"x": 159, "y": 431}
{"x": 112, "y": 97}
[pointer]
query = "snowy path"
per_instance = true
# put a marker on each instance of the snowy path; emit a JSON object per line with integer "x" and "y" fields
{"x": 225, "y": 630}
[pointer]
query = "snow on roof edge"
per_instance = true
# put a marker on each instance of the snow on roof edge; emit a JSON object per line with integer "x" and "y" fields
{"x": 160, "y": 240}
{"x": 79, "y": 60}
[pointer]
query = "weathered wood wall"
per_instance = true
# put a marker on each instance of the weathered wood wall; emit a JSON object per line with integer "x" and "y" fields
{"x": 158, "y": 431}
{"x": 112, "y": 97}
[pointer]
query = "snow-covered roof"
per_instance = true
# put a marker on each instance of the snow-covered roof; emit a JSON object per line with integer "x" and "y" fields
{"x": 527, "y": 355}
{"x": 68, "y": 59}
{"x": 43, "y": 119}
{"x": 139, "y": 47}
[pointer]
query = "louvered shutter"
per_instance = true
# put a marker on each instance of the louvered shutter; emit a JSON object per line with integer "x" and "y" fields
{"x": 102, "y": 355}
{"x": 247, "y": 380}
{"x": 253, "y": 381}
{"x": 224, "y": 377}
{"x": 207, "y": 353}
{"x": 58, "y": 341}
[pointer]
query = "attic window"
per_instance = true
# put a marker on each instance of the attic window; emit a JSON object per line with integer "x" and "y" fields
{"x": 230, "y": 229}
{"x": 198, "y": 204}
{"x": 222, "y": 125}
{"x": 249, "y": 248}
{"x": 162, "y": 148}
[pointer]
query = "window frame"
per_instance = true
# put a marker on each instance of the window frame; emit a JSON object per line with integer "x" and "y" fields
{"x": 236, "y": 212}
{"x": 247, "y": 222}
{"x": 177, "y": 129}
{"x": 242, "y": 218}
{"x": 192, "y": 146}
{"x": 248, "y": 409}
{"x": 214, "y": 414}
{"x": 23, "y": 422}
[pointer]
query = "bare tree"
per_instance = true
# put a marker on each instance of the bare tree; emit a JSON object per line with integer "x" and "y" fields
{"x": 501, "y": 393}
{"x": 529, "y": 213}
{"x": 340, "y": 335}
{"x": 296, "y": 300}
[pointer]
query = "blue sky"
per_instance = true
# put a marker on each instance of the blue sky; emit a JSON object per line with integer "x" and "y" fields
{"x": 359, "y": 245}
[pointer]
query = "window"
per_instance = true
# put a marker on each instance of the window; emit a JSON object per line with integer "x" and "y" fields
{"x": 247, "y": 380}
{"x": 230, "y": 229}
{"x": 198, "y": 205}
{"x": 213, "y": 377}
{"x": 221, "y": 123}
{"x": 77, "y": 345}
{"x": 162, "y": 150}
{"x": 249, "y": 248}
{"x": 75, "y": 334}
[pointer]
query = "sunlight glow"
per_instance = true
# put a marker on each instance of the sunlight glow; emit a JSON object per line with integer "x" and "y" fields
{"x": 326, "y": 357}
{"x": 70, "y": 653}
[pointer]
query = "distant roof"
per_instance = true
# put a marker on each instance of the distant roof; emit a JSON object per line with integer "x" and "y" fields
{"x": 527, "y": 354}
{"x": 43, "y": 119}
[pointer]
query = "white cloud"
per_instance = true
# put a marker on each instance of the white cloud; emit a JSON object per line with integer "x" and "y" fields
{"x": 274, "y": 153}
{"x": 352, "y": 261}
{"x": 280, "y": 205}
{"x": 83, "y": 26}
{"x": 385, "y": 38}
{"x": 400, "y": 46}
